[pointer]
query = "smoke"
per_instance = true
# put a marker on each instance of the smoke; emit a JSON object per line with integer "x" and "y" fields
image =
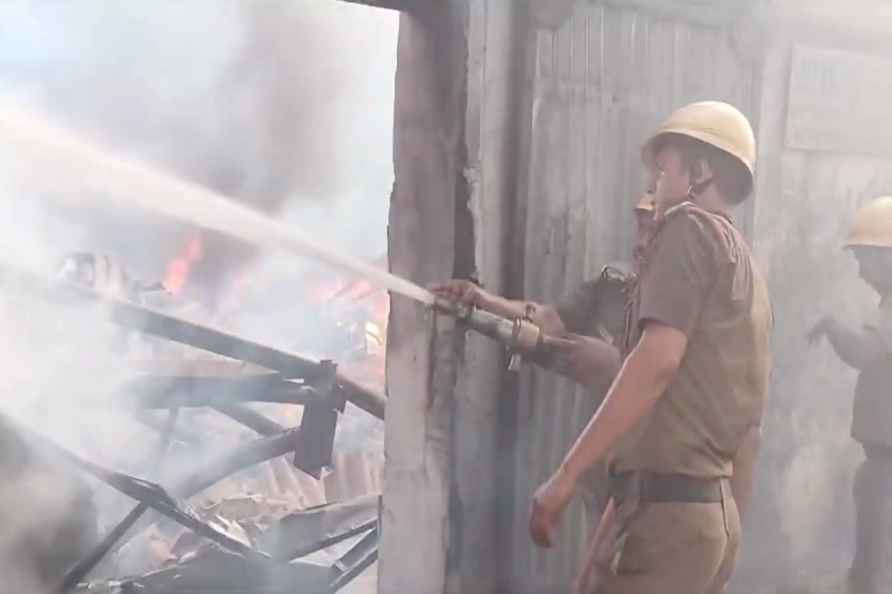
{"x": 276, "y": 103}
{"x": 802, "y": 522}
{"x": 284, "y": 105}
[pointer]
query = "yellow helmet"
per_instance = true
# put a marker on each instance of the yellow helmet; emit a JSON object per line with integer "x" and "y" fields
{"x": 645, "y": 203}
{"x": 872, "y": 226}
{"x": 717, "y": 124}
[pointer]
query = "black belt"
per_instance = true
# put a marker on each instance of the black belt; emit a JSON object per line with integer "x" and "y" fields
{"x": 656, "y": 487}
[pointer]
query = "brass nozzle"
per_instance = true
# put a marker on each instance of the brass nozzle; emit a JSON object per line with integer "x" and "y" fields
{"x": 519, "y": 334}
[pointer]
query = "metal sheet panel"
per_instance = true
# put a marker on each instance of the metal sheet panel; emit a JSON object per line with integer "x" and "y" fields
{"x": 837, "y": 103}
{"x": 596, "y": 86}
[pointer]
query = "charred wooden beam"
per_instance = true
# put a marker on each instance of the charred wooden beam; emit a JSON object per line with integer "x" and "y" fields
{"x": 149, "y": 493}
{"x": 330, "y": 540}
{"x": 238, "y": 412}
{"x": 356, "y": 560}
{"x": 290, "y": 365}
{"x": 195, "y": 391}
{"x": 218, "y": 571}
{"x": 208, "y": 473}
{"x": 251, "y": 419}
{"x": 156, "y": 323}
{"x": 76, "y": 574}
{"x": 317, "y": 428}
{"x": 305, "y": 532}
{"x": 179, "y": 434}
{"x": 162, "y": 325}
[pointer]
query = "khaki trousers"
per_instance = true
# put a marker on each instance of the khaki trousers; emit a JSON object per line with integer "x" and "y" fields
{"x": 676, "y": 548}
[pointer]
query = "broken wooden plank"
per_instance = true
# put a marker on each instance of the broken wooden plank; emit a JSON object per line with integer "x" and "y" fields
{"x": 252, "y": 419}
{"x": 304, "y": 532}
{"x": 155, "y": 323}
{"x": 356, "y": 560}
{"x": 152, "y": 494}
{"x": 76, "y": 574}
{"x": 229, "y": 345}
{"x": 179, "y": 433}
{"x": 208, "y": 472}
{"x": 190, "y": 391}
{"x": 207, "y": 338}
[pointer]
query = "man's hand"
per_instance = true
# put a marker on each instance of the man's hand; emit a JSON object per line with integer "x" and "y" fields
{"x": 549, "y": 502}
{"x": 460, "y": 291}
{"x": 856, "y": 347}
{"x": 819, "y": 330}
{"x": 586, "y": 359}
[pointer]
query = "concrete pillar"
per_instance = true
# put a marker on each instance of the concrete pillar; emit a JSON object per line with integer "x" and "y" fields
{"x": 428, "y": 160}
{"x": 450, "y": 217}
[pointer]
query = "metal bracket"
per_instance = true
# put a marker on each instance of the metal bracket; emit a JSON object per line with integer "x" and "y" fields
{"x": 314, "y": 443}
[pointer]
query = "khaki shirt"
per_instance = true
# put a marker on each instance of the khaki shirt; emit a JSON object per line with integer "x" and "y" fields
{"x": 872, "y": 415}
{"x": 700, "y": 278}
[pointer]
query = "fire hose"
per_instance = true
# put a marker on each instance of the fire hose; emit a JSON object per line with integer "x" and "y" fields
{"x": 521, "y": 336}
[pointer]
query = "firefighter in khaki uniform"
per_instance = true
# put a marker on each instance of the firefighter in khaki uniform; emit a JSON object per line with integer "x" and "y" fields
{"x": 596, "y": 312}
{"x": 681, "y": 422}
{"x": 869, "y": 350}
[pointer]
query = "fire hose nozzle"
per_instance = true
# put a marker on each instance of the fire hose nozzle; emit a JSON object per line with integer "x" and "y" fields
{"x": 518, "y": 335}
{"x": 521, "y": 336}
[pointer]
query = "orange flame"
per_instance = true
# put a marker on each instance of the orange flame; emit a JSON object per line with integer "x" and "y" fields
{"x": 179, "y": 267}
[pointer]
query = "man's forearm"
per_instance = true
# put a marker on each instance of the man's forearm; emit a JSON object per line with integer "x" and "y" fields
{"x": 855, "y": 348}
{"x": 594, "y": 366}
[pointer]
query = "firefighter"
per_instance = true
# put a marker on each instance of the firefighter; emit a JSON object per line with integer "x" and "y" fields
{"x": 869, "y": 350}
{"x": 681, "y": 422}
{"x": 594, "y": 312}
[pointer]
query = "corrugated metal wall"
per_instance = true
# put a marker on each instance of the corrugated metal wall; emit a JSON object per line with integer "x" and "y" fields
{"x": 802, "y": 518}
{"x": 596, "y": 86}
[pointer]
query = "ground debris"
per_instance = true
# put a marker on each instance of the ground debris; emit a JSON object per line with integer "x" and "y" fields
{"x": 211, "y": 568}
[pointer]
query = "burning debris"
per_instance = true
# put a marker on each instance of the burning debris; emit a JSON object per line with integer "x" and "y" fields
{"x": 248, "y": 535}
{"x": 179, "y": 267}
{"x": 217, "y": 422}
{"x": 104, "y": 275}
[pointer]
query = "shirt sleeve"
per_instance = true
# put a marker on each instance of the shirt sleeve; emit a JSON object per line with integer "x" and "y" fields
{"x": 681, "y": 270}
{"x": 577, "y": 308}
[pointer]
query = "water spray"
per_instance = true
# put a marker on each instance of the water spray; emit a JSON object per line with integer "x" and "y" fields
{"x": 82, "y": 171}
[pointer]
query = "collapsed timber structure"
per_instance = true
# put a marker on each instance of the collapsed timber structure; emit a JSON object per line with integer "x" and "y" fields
{"x": 224, "y": 558}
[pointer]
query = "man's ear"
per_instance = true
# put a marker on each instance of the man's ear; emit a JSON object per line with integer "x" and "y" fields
{"x": 701, "y": 171}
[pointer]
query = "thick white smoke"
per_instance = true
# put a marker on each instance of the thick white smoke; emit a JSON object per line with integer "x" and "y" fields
{"x": 286, "y": 105}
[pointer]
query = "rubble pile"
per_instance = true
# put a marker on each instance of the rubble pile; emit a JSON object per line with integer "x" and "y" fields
{"x": 279, "y": 511}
